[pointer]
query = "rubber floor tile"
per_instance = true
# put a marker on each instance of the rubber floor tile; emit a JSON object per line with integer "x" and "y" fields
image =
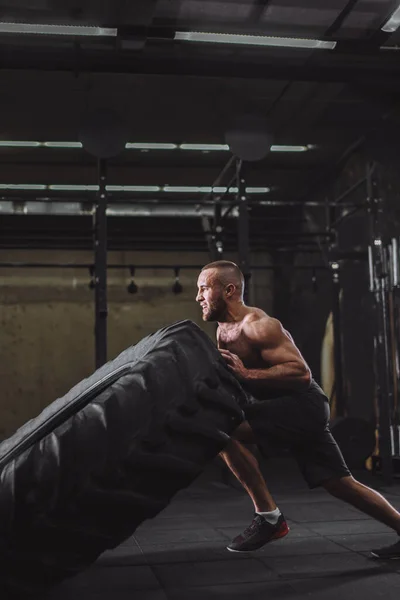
{"x": 212, "y": 573}
{"x": 240, "y": 591}
{"x": 366, "y": 586}
{"x": 348, "y": 527}
{"x": 175, "y": 536}
{"x": 186, "y": 552}
{"x": 300, "y": 546}
{"x": 122, "y": 556}
{"x": 321, "y": 565}
{"x": 111, "y": 582}
{"x": 107, "y": 594}
{"x": 169, "y": 524}
{"x": 364, "y": 542}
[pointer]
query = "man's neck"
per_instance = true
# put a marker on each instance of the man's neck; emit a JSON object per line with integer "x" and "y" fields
{"x": 233, "y": 315}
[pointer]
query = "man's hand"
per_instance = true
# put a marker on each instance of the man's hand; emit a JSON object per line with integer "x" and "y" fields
{"x": 234, "y": 363}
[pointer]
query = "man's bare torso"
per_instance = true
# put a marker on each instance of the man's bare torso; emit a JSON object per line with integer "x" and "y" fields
{"x": 232, "y": 337}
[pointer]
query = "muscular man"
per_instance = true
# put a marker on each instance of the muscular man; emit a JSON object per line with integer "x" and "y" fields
{"x": 286, "y": 408}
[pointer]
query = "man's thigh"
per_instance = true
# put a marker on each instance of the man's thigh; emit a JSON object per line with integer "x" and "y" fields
{"x": 320, "y": 460}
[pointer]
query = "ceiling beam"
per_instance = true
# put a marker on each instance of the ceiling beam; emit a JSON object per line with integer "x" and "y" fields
{"x": 138, "y": 14}
{"x": 380, "y": 69}
{"x": 130, "y": 175}
{"x": 258, "y": 10}
{"x": 338, "y": 22}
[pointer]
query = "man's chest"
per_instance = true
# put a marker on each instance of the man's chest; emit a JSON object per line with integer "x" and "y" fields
{"x": 234, "y": 341}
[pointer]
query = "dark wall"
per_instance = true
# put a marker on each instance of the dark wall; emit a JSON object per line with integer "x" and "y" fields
{"x": 304, "y": 308}
{"x": 357, "y": 337}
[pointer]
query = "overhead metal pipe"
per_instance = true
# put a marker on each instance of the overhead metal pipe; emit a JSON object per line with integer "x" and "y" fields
{"x": 88, "y": 266}
{"x": 12, "y": 202}
{"x": 31, "y": 207}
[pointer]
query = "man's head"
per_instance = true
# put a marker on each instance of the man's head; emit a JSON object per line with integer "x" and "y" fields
{"x": 220, "y": 287}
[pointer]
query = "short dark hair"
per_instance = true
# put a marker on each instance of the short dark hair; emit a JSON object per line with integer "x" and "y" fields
{"x": 229, "y": 267}
{"x": 223, "y": 264}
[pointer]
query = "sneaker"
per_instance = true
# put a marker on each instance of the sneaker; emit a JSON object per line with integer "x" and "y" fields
{"x": 388, "y": 552}
{"x": 259, "y": 533}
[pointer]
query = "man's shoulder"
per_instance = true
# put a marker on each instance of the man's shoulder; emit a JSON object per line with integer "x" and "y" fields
{"x": 258, "y": 324}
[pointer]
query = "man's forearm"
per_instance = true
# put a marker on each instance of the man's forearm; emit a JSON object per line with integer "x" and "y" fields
{"x": 288, "y": 375}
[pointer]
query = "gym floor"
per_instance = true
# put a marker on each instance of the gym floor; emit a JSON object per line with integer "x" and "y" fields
{"x": 181, "y": 554}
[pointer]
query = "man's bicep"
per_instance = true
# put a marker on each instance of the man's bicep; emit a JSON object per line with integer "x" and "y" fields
{"x": 277, "y": 355}
{"x": 269, "y": 335}
{"x": 275, "y": 347}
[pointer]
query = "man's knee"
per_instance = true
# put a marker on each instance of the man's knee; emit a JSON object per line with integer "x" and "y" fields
{"x": 339, "y": 485}
{"x": 244, "y": 433}
{"x": 232, "y": 449}
{"x": 229, "y": 448}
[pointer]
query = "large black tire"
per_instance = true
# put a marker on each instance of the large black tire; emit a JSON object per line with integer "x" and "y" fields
{"x": 82, "y": 476}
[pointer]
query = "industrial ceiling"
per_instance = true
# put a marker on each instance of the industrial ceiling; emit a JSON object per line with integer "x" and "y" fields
{"x": 321, "y": 101}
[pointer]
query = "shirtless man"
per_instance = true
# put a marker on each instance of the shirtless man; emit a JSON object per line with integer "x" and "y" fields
{"x": 286, "y": 408}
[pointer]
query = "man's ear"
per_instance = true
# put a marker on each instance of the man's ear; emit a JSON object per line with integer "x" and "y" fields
{"x": 230, "y": 290}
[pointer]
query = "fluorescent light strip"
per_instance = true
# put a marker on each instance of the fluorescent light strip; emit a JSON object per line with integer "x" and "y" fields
{"x": 45, "y": 29}
{"x": 150, "y": 146}
{"x": 18, "y": 144}
{"x": 186, "y": 188}
{"x": 224, "y": 147}
{"x": 393, "y": 23}
{"x": 62, "y": 144}
{"x": 253, "y": 40}
{"x": 217, "y": 190}
{"x": 289, "y": 148}
{"x": 132, "y": 188}
{"x": 22, "y": 186}
{"x": 258, "y": 190}
{"x": 74, "y": 188}
{"x": 222, "y": 190}
{"x": 204, "y": 147}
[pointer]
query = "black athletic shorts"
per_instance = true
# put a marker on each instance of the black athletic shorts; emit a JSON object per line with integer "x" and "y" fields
{"x": 299, "y": 422}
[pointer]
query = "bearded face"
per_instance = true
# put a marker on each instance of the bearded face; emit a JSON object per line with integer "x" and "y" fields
{"x": 214, "y": 309}
{"x": 210, "y": 296}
